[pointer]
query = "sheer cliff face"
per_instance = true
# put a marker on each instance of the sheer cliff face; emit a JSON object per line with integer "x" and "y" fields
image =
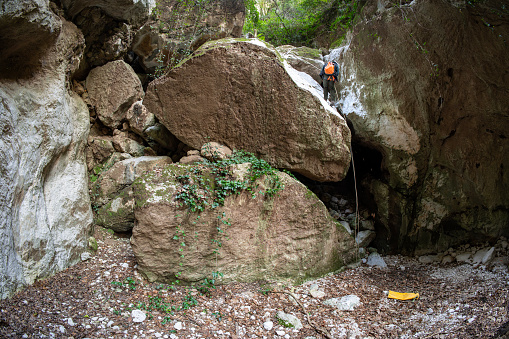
{"x": 45, "y": 211}
{"x": 426, "y": 85}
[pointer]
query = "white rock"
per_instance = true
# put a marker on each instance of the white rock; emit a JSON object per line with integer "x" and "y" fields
{"x": 280, "y": 333}
{"x": 85, "y": 256}
{"x": 374, "y": 259}
{"x": 70, "y": 322}
{"x": 313, "y": 287}
{"x": 138, "y": 316}
{"x": 428, "y": 259}
{"x": 317, "y": 293}
{"x": 464, "y": 257}
{"x": 268, "y": 325}
{"x": 447, "y": 259}
{"x": 346, "y": 225}
{"x": 488, "y": 256}
{"x": 61, "y": 329}
{"x": 364, "y": 238}
{"x": 178, "y": 326}
{"x": 346, "y": 303}
{"x": 45, "y": 199}
{"x": 479, "y": 255}
{"x": 290, "y": 319}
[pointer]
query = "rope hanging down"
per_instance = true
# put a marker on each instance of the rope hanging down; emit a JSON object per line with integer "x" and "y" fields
{"x": 357, "y": 214}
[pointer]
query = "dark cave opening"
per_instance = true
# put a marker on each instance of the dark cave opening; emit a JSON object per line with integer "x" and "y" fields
{"x": 345, "y": 198}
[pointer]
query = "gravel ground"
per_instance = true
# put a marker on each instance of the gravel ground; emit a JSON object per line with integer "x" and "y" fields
{"x": 104, "y": 297}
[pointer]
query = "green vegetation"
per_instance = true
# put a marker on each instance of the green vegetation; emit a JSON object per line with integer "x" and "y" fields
{"x": 207, "y": 185}
{"x": 127, "y": 283}
{"x": 299, "y": 22}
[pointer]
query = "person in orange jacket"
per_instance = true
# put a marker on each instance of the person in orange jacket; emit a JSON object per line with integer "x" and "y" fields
{"x": 329, "y": 75}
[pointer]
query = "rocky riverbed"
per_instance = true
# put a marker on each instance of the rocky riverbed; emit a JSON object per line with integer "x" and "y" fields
{"x": 105, "y": 297}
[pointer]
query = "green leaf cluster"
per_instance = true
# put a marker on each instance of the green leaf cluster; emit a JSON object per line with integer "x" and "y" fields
{"x": 210, "y": 183}
{"x": 298, "y": 22}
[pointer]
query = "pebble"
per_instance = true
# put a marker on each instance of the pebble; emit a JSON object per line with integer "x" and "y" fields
{"x": 464, "y": 257}
{"x": 70, "y": 322}
{"x": 138, "y": 316}
{"x": 488, "y": 256}
{"x": 290, "y": 319}
{"x": 447, "y": 259}
{"x": 317, "y": 293}
{"x": 374, "y": 259}
{"x": 268, "y": 325}
{"x": 85, "y": 256}
{"x": 280, "y": 333}
{"x": 346, "y": 303}
{"x": 178, "y": 326}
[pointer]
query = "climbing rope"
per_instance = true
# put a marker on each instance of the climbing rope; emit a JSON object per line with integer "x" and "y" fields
{"x": 357, "y": 214}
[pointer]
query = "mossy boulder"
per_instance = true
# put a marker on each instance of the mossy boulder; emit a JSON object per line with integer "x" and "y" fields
{"x": 269, "y": 228}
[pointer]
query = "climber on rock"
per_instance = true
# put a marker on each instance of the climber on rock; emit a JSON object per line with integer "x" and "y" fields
{"x": 329, "y": 75}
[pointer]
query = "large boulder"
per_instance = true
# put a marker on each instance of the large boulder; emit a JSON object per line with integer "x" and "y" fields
{"x": 113, "y": 88}
{"x": 432, "y": 119}
{"x": 45, "y": 215}
{"x": 252, "y": 236}
{"x": 112, "y": 191}
{"x": 244, "y": 95}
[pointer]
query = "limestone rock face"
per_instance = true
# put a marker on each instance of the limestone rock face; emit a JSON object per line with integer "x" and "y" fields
{"x": 435, "y": 112}
{"x": 113, "y": 193}
{"x": 27, "y": 29}
{"x": 45, "y": 214}
{"x": 303, "y": 59}
{"x": 180, "y": 28}
{"x": 131, "y": 11}
{"x": 248, "y": 98}
{"x": 287, "y": 236}
{"x": 113, "y": 88}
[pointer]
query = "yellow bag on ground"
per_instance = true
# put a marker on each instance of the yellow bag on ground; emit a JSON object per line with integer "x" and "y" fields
{"x": 402, "y": 296}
